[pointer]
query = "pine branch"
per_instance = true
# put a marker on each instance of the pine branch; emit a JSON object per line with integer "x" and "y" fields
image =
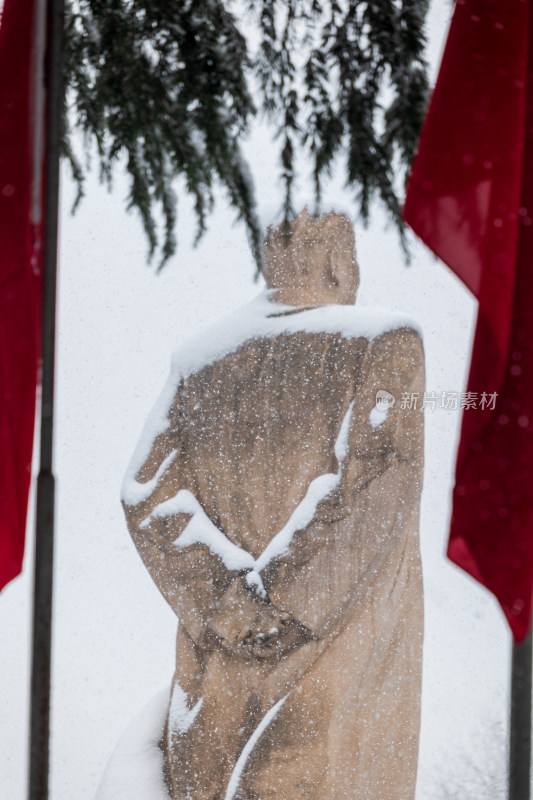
{"x": 164, "y": 85}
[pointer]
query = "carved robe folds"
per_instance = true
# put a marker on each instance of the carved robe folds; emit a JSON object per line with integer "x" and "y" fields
{"x": 298, "y": 664}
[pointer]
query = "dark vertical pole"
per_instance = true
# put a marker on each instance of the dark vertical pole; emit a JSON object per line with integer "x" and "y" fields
{"x": 520, "y": 733}
{"x": 44, "y": 545}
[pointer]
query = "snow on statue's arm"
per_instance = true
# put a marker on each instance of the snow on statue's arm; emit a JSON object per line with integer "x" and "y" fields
{"x": 262, "y": 627}
{"x": 190, "y": 560}
{"x": 363, "y": 517}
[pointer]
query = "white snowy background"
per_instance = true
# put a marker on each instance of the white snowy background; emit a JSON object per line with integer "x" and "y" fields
{"x": 113, "y": 633}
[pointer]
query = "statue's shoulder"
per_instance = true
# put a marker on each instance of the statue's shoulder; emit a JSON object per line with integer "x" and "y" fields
{"x": 402, "y": 348}
{"x": 403, "y": 337}
{"x": 261, "y": 321}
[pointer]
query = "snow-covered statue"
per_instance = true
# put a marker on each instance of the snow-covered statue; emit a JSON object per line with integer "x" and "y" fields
{"x": 274, "y": 498}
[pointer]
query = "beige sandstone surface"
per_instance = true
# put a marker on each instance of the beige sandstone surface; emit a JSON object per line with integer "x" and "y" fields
{"x": 299, "y": 677}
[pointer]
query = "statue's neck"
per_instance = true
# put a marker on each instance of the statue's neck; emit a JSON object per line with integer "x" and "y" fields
{"x": 303, "y": 301}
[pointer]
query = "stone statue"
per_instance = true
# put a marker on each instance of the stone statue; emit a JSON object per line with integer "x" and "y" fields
{"x": 274, "y": 498}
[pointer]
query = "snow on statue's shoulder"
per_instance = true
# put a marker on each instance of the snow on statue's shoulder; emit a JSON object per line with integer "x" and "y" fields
{"x": 262, "y": 319}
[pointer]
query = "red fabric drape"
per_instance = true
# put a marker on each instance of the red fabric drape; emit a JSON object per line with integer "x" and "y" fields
{"x": 470, "y": 198}
{"x": 20, "y": 281}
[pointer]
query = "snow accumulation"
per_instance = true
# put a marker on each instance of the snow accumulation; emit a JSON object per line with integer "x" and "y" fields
{"x": 233, "y": 783}
{"x": 264, "y": 318}
{"x": 135, "y": 769}
{"x": 260, "y": 318}
{"x": 141, "y": 491}
{"x": 318, "y": 490}
{"x": 378, "y": 416}
{"x": 180, "y": 716}
{"x": 202, "y": 530}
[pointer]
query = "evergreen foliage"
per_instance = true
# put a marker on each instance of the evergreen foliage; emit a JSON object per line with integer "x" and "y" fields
{"x": 168, "y": 84}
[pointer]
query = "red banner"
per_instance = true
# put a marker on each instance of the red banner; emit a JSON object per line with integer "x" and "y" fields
{"x": 470, "y": 198}
{"x": 20, "y": 269}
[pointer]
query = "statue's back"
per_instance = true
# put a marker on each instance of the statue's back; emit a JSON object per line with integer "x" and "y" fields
{"x": 257, "y": 426}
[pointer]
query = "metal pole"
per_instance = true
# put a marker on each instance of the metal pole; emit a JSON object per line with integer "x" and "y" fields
{"x": 520, "y": 733}
{"x": 44, "y": 545}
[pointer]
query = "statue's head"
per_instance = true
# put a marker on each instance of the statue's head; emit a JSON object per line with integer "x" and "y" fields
{"x": 312, "y": 261}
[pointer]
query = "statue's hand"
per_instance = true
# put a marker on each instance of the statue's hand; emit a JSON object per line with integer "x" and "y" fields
{"x": 251, "y": 626}
{"x": 273, "y": 634}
